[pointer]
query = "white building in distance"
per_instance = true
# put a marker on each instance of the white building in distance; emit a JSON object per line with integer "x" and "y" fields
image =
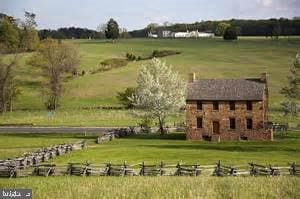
{"x": 188, "y": 34}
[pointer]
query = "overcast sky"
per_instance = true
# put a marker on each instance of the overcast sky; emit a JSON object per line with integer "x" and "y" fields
{"x": 135, "y": 14}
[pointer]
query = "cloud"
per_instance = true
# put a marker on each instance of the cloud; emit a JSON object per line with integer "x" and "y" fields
{"x": 276, "y": 8}
{"x": 267, "y": 3}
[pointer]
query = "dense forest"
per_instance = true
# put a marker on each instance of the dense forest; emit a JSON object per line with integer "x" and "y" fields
{"x": 71, "y": 33}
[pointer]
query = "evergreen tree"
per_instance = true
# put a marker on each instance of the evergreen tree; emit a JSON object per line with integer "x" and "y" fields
{"x": 112, "y": 30}
{"x": 230, "y": 34}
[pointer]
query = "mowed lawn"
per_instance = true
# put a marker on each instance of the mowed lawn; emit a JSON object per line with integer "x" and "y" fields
{"x": 153, "y": 148}
{"x": 209, "y": 58}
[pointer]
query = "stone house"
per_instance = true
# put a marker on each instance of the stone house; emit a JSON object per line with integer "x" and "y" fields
{"x": 227, "y": 109}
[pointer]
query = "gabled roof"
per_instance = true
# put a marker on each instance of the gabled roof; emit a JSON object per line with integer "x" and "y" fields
{"x": 226, "y": 89}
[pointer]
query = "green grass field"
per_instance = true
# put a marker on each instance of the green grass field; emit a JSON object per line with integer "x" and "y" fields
{"x": 152, "y": 149}
{"x": 209, "y": 58}
{"x": 15, "y": 144}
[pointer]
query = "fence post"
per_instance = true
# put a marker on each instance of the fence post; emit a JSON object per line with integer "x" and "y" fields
{"x": 196, "y": 170}
{"x": 142, "y": 172}
{"x": 252, "y": 169}
{"x": 125, "y": 168}
{"x": 293, "y": 169}
{"x": 218, "y": 168}
{"x": 109, "y": 169}
{"x": 161, "y": 168}
{"x": 69, "y": 170}
{"x": 178, "y": 171}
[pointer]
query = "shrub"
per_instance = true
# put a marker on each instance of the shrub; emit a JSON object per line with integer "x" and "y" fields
{"x": 114, "y": 62}
{"x": 130, "y": 57}
{"x": 123, "y": 97}
{"x": 146, "y": 124}
{"x": 230, "y": 34}
{"x": 163, "y": 53}
{"x": 109, "y": 64}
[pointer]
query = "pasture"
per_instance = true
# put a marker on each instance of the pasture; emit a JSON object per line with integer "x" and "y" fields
{"x": 209, "y": 58}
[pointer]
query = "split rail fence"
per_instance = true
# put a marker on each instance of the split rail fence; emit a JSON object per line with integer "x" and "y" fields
{"x": 23, "y": 165}
{"x": 142, "y": 169}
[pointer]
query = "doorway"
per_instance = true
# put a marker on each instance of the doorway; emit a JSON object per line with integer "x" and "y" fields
{"x": 216, "y": 127}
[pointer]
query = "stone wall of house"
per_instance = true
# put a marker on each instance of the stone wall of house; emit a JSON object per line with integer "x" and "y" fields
{"x": 257, "y": 114}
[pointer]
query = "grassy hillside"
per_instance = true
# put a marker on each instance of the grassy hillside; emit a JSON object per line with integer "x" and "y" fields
{"x": 209, "y": 58}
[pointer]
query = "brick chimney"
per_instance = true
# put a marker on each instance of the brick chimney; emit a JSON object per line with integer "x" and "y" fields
{"x": 192, "y": 77}
{"x": 263, "y": 77}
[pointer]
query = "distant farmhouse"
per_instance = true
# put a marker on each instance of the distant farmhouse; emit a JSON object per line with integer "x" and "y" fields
{"x": 227, "y": 109}
{"x": 187, "y": 34}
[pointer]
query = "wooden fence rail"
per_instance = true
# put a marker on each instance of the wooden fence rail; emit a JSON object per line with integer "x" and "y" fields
{"x": 142, "y": 169}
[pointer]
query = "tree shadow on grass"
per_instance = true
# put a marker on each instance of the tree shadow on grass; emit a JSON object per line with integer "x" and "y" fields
{"x": 228, "y": 147}
{"x": 182, "y": 136}
{"x": 97, "y": 42}
{"x": 50, "y": 135}
{"x": 156, "y": 136}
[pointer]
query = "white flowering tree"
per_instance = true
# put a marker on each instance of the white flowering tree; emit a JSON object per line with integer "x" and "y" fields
{"x": 160, "y": 91}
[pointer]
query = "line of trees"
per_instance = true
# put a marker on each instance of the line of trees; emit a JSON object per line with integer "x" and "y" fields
{"x": 266, "y": 27}
{"x": 71, "y": 33}
{"x": 109, "y": 30}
